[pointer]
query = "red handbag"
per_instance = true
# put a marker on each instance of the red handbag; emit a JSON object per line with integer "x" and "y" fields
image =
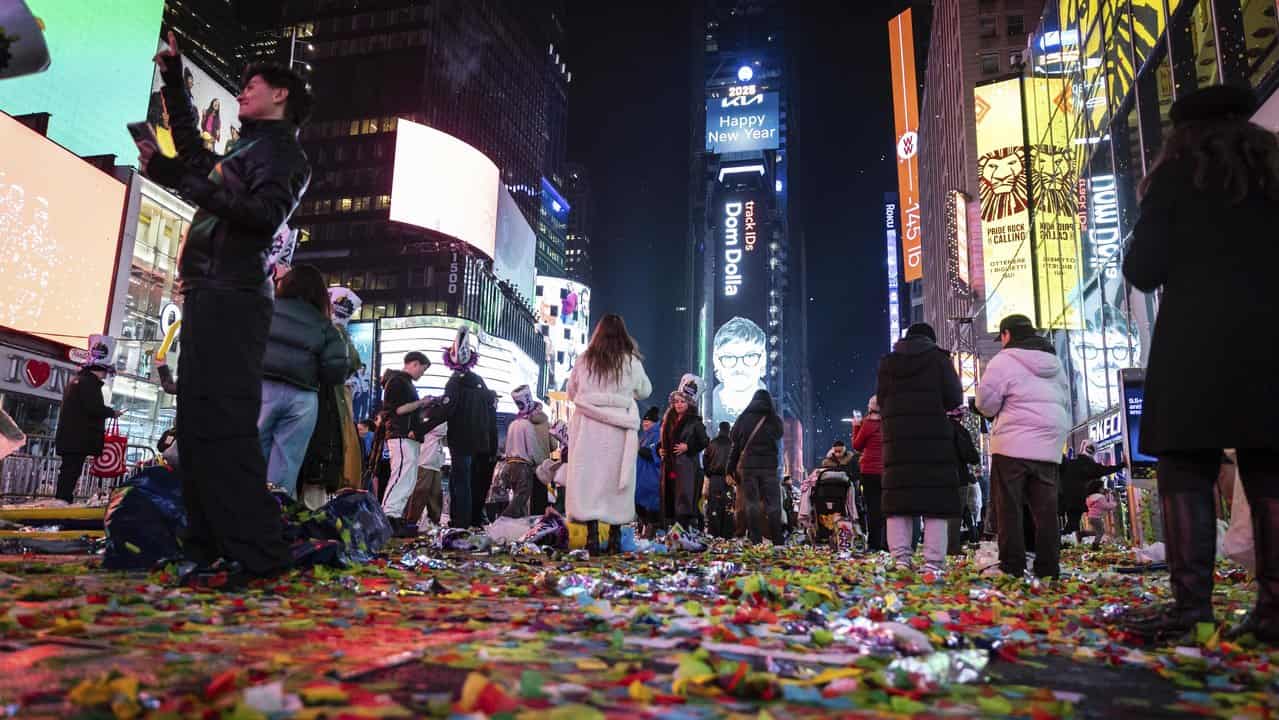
{"x": 111, "y": 462}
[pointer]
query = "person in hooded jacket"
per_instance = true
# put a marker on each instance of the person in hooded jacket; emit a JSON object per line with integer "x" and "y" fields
{"x": 683, "y": 439}
{"x": 719, "y": 508}
{"x": 869, "y": 441}
{"x": 1214, "y": 186}
{"x": 1077, "y": 475}
{"x": 528, "y": 444}
{"x": 753, "y": 463}
{"x": 470, "y": 409}
{"x": 1026, "y": 392}
{"x": 917, "y": 386}
{"x": 648, "y": 471}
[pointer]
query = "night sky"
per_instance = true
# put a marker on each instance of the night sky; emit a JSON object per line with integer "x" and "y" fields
{"x": 629, "y": 124}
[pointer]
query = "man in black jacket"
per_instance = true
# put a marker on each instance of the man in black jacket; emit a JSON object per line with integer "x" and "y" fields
{"x": 756, "y": 436}
{"x": 242, "y": 200}
{"x": 1076, "y": 474}
{"x": 719, "y": 514}
{"x": 81, "y": 425}
{"x": 404, "y": 433}
{"x": 470, "y": 409}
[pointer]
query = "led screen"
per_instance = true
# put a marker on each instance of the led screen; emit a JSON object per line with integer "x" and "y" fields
{"x": 901, "y": 45}
{"x": 742, "y": 119}
{"x": 564, "y": 319}
{"x": 445, "y": 185}
{"x": 99, "y": 75}
{"x": 365, "y": 390}
{"x": 217, "y": 111}
{"x": 739, "y": 348}
{"x": 59, "y": 235}
{"x": 515, "y": 254}
{"x": 502, "y": 364}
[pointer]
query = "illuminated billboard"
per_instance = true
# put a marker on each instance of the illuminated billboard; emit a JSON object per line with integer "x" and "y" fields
{"x": 515, "y": 249}
{"x": 1054, "y": 202}
{"x": 60, "y": 221}
{"x": 99, "y": 76}
{"x": 890, "y": 251}
{"x": 365, "y": 388}
{"x": 502, "y": 364}
{"x": 742, "y": 118}
{"x": 1005, "y": 202}
{"x": 564, "y": 319}
{"x": 216, "y": 110}
{"x": 901, "y": 45}
{"x": 445, "y": 185}
{"x": 959, "y": 238}
{"x": 743, "y": 310}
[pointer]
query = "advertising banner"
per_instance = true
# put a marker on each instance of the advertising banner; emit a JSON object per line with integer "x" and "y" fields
{"x": 958, "y": 221}
{"x": 514, "y": 254}
{"x": 216, "y": 110}
{"x": 739, "y": 349}
{"x": 743, "y": 119}
{"x": 1005, "y": 202}
{"x": 97, "y": 81}
{"x": 564, "y": 319}
{"x": 890, "y": 250}
{"x": 1141, "y": 466}
{"x": 901, "y": 45}
{"x": 443, "y": 184}
{"x": 365, "y": 388}
{"x": 1054, "y": 202}
{"x": 60, "y": 221}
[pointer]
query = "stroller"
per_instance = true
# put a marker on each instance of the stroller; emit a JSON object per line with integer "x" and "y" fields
{"x": 828, "y": 508}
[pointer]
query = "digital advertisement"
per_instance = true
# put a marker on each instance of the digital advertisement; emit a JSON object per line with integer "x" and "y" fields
{"x": 365, "y": 388}
{"x": 1054, "y": 202}
{"x": 514, "y": 254}
{"x": 739, "y": 347}
{"x": 564, "y": 319}
{"x": 99, "y": 75}
{"x": 901, "y": 46}
{"x": 742, "y": 119}
{"x": 890, "y": 250}
{"x": 443, "y": 184}
{"x": 60, "y": 221}
{"x": 1005, "y": 202}
{"x": 216, "y": 110}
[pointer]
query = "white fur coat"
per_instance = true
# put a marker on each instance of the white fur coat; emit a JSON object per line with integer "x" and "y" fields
{"x": 603, "y": 442}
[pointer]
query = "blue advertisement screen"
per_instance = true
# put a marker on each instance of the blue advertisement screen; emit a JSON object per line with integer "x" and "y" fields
{"x": 742, "y": 123}
{"x": 364, "y": 384}
{"x": 1134, "y": 397}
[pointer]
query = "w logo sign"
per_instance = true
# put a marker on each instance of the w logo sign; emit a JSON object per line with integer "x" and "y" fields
{"x": 907, "y": 145}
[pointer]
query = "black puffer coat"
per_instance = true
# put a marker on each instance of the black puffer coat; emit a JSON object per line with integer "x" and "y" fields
{"x": 468, "y": 406}
{"x": 83, "y": 417}
{"x": 917, "y": 385}
{"x": 761, "y": 454}
{"x": 242, "y": 198}
{"x": 304, "y": 349}
{"x": 682, "y": 474}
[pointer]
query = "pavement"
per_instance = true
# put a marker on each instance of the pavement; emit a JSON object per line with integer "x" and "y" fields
{"x": 737, "y": 631}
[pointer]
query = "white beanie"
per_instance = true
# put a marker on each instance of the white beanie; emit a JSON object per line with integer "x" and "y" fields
{"x": 523, "y": 396}
{"x": 690, "y": 386}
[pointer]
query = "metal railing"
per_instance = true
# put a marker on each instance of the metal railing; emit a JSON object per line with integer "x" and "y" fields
{"x": 33, "y": 471}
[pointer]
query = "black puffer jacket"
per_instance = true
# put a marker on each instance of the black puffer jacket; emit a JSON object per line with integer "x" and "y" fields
{"x": 715, "y": 459}
{"x": 468, "y": 406}
{"x": 917, "y": 385}
{"x": 242, "y": 198}
{"x": 397, "y": 390}
{"x": 83, "y": 417}
{"x": 304, "y": 349}
{"x": 761, "y": 454}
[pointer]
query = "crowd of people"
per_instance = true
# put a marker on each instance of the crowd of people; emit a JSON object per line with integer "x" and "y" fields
{"x": 259, "y": 394}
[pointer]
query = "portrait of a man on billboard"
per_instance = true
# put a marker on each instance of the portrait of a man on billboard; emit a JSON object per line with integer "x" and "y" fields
{"x": 740, "y": 357}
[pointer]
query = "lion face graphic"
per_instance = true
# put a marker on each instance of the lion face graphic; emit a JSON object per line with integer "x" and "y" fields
{"x": 1002, "y": 183}
{"x": 1054, "y": 180}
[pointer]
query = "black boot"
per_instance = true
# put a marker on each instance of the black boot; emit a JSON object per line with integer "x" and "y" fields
{"x": 593, "y": 537}
{"x": 1263, "y": 622}
{"x": 1190, "y": 537}
{"x": 615, "y": 540}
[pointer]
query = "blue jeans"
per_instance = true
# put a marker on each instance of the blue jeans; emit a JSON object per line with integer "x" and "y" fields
{"x": 285, "y": 424}
{"x": 460, "y": 491}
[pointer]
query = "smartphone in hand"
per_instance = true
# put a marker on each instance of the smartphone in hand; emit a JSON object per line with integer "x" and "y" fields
{"x": 142, "y": 132}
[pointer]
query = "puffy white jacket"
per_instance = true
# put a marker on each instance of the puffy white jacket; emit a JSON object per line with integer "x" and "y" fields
{"x": 1027, "y": 394}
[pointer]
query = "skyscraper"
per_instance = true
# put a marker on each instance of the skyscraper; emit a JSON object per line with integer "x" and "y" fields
{"x": 577, "y": 189}
{"x": 745, "y": 245}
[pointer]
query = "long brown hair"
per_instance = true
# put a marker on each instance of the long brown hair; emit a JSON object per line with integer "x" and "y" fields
{"x": 611, "y": 349}
{"x": 306, "y": 283}
{"x": 1229, "y": 154}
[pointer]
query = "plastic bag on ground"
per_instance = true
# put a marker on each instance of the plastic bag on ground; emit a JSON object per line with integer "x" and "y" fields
{"x": 1155, "y": 553}
{"x": 353, "y": 518}
{"x": 505, "y": 529}
{"x": 987, "y": 555}
{"x": 144, "y": 519}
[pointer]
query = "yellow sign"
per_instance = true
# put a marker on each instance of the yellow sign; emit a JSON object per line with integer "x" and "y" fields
{"x": 1054, "y": 202}
{"x": 1005, "y": 202}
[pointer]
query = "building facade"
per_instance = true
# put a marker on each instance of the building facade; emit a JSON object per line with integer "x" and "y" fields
{"x": 745, "y": 250}
{"x": 577, "y": 253}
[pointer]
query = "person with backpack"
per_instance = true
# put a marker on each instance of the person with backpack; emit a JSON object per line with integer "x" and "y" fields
{"x": 754, "y": 466}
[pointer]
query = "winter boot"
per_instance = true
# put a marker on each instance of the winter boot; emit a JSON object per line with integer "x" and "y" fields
{"x": 593, "y": 537}
{"x": 1263, "y": 622}
{"x": 614, "y": 540}
{"x": 1190, "y": 536}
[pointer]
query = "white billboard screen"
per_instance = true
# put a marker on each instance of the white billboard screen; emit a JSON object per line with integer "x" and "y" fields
{"x": 564, "y": 319}
{"x": 445, "y": 185}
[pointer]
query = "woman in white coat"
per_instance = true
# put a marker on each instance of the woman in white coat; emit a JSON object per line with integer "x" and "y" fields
{"x": 603, "y": 432}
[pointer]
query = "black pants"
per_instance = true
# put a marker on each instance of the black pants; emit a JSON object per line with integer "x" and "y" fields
{"x": 460, "y": 478}
{"x": 230, "y": 513}
{"x": 481, "y": 480}
{"x": 719, "y": 508}
{"x": 762, "y": 504}
{"x": 1073, "y": 518}
{"x": 528, "y": 494}
{"x": 872, "y": 490}
{"x": 69, "y": 475}
{"x": 1018, "y": 484}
